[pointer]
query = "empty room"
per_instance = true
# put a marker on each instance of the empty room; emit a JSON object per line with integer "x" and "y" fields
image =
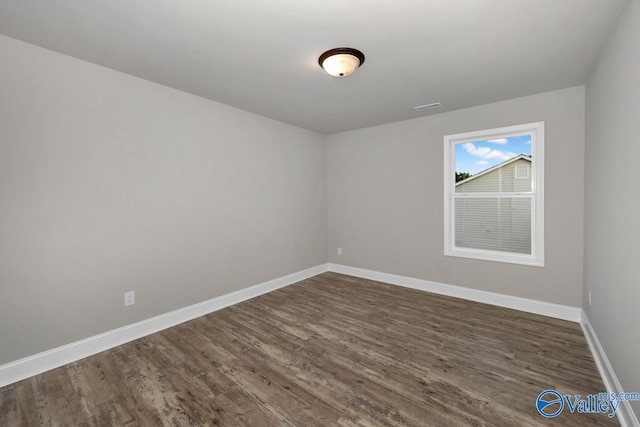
{"x": 337, "y": 213}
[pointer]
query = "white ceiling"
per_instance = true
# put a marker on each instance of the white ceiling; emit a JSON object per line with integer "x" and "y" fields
{"x": 261, "y": 56}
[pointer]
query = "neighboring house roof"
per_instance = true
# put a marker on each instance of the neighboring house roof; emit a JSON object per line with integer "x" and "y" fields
{"x": 498, "y": 166}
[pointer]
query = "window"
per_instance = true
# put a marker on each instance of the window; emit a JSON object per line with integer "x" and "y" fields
{"x": 493, "y": 187}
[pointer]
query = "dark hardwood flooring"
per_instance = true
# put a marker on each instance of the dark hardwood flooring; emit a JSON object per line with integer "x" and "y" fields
{"x": 332, "y": 350}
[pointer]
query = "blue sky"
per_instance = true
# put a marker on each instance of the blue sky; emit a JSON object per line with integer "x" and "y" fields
{"x": 476, "y": 156}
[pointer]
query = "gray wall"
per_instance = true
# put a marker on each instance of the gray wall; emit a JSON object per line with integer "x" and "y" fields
{"x": 612, "y": 207}
{"x": 110, "y": 183}
{"x": 385, "y": 202}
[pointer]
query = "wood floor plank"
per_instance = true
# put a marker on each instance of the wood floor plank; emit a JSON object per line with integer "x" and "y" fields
{"x": 330, "y": 350}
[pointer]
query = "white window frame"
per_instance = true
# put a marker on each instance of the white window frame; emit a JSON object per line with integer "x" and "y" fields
{"x": 536, "y": 258}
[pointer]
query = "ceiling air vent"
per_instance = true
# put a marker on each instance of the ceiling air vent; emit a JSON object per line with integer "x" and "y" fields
{"x": 427, "y": 107}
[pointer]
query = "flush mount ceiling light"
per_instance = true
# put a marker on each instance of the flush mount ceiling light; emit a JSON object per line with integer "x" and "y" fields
{"x": 341, "y": 61}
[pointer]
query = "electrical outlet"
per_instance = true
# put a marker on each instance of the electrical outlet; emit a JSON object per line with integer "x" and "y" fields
{"x": 129, "y": 298}
{"x": 340, "y": 251}
{"x": 589, "y": 296}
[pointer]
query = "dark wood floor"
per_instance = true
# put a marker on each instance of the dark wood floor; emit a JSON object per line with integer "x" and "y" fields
{"x": 331, "y": 350}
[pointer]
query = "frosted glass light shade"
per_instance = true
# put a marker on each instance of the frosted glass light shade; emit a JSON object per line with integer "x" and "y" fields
{"x": 341, "y": 62}
{"x": 341, "y": 65}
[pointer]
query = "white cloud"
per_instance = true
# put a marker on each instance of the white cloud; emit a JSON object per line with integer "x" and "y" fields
{"x": 500, "y": 141}
{"x": 488, "y": 153}
{"x": 482, "y": 163}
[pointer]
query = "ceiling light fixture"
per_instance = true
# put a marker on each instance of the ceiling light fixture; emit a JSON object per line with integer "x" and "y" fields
{"x": 341, "y": 61}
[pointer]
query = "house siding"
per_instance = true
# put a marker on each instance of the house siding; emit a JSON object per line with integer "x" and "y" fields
{"x": 500, "y": 180}
{"x": 497, "y": 224}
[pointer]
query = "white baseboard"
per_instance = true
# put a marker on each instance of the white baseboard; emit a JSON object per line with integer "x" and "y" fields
{"x": 32, "y": 365}
{"x": 557, "y": 311}
{"x": 625, "y": 414}
{"x": 42, "y": 362}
